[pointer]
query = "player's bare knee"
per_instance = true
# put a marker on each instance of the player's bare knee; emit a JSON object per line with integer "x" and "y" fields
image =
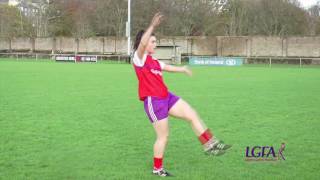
{"x": 192, "y": 115}
{"x": 187, "y": 118}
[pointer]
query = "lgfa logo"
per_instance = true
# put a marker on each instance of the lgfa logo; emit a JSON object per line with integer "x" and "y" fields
{"x": 264, "y": 153}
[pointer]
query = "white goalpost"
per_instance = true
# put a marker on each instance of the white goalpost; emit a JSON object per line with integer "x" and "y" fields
{"x": 128, "y": 27}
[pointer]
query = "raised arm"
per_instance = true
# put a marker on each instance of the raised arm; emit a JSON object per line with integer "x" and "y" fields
{"x": 146, "y": 36}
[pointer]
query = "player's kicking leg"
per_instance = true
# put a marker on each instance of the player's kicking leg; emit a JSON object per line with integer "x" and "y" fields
{"x": 211, "y": 145}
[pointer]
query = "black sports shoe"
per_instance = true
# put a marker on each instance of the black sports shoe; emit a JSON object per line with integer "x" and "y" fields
{"x": 222, "y": 146}
{"x": 215, "y": 152}
{"x": 216, "y": 148}
{"x": 161, "y": 172}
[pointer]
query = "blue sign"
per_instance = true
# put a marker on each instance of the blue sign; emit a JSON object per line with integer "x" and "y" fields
{"x": 215, "y": 61}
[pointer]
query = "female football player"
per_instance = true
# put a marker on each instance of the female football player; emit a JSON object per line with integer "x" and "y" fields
{"x": 159, "y": 103}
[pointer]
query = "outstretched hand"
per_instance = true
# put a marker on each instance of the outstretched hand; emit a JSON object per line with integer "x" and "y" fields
{"x": 187, "y": 70}
{"x": 157, "y": 19}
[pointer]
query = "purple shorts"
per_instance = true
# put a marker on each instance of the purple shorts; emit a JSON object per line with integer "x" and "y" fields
{"x": 157, "y": 108}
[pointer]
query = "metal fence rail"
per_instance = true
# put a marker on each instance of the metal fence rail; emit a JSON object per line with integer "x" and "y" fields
{"x": 37, "y": 56}
{"x": 300, "y": 60}
{"x": 125, "y": 58}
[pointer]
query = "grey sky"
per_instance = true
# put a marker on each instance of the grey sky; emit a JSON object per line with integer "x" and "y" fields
{"x": 308, "y": 3}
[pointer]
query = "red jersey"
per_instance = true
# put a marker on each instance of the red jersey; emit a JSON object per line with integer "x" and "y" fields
{"x": 149, "y": 74}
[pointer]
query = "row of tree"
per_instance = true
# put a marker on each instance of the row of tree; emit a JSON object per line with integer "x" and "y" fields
{"x": 82, "y": 18}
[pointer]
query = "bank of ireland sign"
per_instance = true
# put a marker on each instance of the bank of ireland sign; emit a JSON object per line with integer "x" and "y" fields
{"x": 215, "y": 61}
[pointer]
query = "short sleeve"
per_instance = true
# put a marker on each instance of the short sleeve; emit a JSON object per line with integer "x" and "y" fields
{"x": 162, "y": 64}
{"x": 137, "y": 61}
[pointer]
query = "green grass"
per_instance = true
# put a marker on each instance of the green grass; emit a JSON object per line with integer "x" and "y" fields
{"x": 84, "y": 121}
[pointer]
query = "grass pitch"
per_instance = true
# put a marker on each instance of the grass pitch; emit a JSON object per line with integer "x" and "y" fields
{"x": 84, "y": 121}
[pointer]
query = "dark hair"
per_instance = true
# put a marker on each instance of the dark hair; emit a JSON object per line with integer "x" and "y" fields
{"x": 138, "y": 39}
